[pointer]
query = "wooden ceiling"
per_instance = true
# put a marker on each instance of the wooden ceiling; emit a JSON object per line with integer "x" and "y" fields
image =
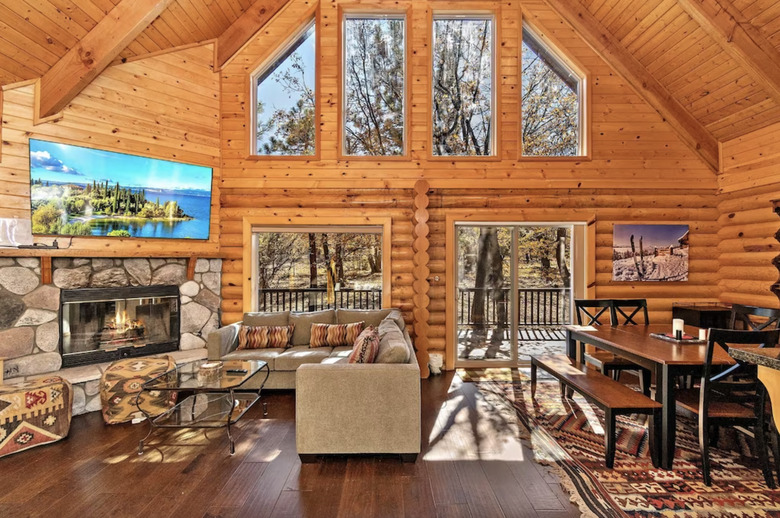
{"x": 719, "y": 60}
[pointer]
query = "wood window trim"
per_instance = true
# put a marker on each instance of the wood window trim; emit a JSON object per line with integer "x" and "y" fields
{"x": 586, "y": 96}
{"x": 519, "y": 216}
{"x": 310, "y": 16}
{"x": 465, "y": 9}
{"x": 399, "y": 8}
{"x": 322, "y": 218}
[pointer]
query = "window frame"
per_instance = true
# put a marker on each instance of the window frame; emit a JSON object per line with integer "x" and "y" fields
{"x": 362, "y": 11}
{"x": 545, "y": 39}
{"x": 494, "y": 14}
{"x": 262, "y": 66}
{"x": 296, "y": 222}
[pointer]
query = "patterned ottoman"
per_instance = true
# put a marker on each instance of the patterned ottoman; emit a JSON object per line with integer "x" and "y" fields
{"x": 34, "y": 413}
{"x": 121, "y": 383}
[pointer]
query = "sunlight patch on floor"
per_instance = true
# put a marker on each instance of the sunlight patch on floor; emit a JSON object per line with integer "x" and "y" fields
{"x": 486, "y": 429}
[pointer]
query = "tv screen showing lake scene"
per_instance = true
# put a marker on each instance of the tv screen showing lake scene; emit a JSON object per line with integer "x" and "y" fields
{"x": 78, "y": 191}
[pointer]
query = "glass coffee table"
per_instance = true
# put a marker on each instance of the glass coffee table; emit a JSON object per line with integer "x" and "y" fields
{"x": 215, "y": 401}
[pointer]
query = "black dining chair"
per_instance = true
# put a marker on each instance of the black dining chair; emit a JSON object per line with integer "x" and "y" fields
{"x": 753, "y": 318}
{"x": 622, "y": 312}
{"x": 733, "y": 396}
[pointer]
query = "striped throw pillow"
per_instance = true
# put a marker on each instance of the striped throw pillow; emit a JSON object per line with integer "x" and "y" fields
{"x": 264, "y": 337}
{"x": 335, "y": 335}
{"x": 366, "y": 346}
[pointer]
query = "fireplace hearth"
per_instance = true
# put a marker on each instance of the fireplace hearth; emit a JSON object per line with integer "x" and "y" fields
{"x": 104, "y": 324}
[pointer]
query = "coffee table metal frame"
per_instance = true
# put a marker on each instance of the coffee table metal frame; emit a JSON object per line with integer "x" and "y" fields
{"x": 234, "y": 402}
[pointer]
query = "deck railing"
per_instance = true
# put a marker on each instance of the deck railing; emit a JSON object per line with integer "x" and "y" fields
{"x": 535, "y": 306}
{"x": 316, "y": 299}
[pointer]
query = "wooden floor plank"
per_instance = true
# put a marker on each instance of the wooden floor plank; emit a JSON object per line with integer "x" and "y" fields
{"x": 472, "y": 464}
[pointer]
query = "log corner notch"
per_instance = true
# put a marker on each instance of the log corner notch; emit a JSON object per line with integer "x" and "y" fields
{"x": 96, "y": 50}
{"x": 612, "y": 51}
{"x": 420, "y": 273}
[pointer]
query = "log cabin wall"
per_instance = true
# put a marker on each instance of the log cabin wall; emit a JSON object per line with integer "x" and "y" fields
{"x": 749, "y": 181}
{"x": 638, "y": 169}
{"x": 165, "y": 106}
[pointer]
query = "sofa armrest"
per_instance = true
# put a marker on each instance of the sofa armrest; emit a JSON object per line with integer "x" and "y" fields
{"x": 357, "y": 408}
{"x": 222, "y": 341}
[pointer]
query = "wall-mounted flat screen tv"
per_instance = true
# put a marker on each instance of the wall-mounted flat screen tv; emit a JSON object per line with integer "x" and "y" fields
{"x": 79, "y": 191}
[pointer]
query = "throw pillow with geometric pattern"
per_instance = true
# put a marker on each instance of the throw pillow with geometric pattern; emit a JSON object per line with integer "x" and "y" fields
{"x": 264, "y": 337}
{"x": 366, "y": 346}
{"x": 335, "y": 335}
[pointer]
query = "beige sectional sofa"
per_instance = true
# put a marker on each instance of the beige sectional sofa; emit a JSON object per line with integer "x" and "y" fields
{"x": 340, "y": 408}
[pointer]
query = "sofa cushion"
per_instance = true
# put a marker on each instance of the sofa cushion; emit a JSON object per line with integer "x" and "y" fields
{"x": 334, "y": 335}
{"x": 366, "y": 346}
{"x": 372, "y": 317}
{"x": 303, "y": 322}
{"x": 264, "y": 337}
{"x": 331, "y": 360}
{"x": 341, "y": 352}
{"x": 277, "y": 318}
{"x": 267, "y": 355}
{"x": 392, "y": 344}
{"x": 296, "y": 356}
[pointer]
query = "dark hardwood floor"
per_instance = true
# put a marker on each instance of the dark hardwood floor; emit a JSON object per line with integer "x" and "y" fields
{"x": 472, "y": 465}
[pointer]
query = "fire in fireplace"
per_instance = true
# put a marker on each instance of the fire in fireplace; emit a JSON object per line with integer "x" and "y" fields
{"x": 104, "y": 324}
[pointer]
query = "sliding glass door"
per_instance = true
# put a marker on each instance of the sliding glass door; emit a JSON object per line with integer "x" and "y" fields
{"x": 513, "y": 291}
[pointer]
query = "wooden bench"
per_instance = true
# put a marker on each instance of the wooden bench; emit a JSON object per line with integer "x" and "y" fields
{"x": 609, "y": 395}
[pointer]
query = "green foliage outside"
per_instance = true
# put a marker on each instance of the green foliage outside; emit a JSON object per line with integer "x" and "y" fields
{"x": 67, "y": 209}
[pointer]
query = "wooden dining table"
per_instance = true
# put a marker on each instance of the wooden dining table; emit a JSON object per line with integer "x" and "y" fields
{"x": 666, "y": 359}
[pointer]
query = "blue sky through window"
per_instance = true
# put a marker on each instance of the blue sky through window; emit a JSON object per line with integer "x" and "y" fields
{"x": 274, "y": 91}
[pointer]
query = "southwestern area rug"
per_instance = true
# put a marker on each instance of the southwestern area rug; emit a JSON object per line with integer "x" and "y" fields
{"x": 568, "y": 436}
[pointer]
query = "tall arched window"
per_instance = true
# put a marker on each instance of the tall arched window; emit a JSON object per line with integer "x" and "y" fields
{"x": 552, "y": 102}
{"x": 284, "y": 99}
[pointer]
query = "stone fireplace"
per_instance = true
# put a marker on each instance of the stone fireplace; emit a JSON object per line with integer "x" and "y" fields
{"x": 105, "y": 324}
{"x": 30, "y": 311}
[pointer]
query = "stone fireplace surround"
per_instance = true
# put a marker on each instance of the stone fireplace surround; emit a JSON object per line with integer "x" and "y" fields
{"x": 29, "y": 328}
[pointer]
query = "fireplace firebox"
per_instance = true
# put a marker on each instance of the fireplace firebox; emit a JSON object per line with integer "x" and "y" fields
{"x": 105, "y": 324}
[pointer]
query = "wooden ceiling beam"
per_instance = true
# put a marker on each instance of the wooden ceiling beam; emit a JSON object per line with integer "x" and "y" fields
{"x": 240, "y": 31}
{"x": 741, "y": 40}
{"x": 690, "y": 130}
{"x": 94, "y": 52}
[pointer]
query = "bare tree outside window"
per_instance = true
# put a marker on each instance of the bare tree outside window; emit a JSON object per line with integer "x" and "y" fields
{"x": 285, "y": 101}
{"x": 312, "y": 269}
{"x": 374, "y": 70}
{"x": 550, "y": 102}
{"x": 462, "y": 86}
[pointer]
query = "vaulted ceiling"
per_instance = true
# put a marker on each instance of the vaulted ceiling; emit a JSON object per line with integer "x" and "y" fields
{"x": 713, "y": 63}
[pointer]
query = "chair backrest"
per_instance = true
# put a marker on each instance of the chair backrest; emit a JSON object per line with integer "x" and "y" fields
{"x": 630, "y": 312}
{"x": 593, "y": 312}
{"x": 744, "y": 316}
{"x": 744, "y": 372}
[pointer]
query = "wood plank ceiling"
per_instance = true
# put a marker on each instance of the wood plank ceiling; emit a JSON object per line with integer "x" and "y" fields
{"x": 701, "y": 71}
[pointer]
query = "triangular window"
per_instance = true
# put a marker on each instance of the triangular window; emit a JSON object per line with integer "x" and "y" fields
{"x": 551, "y": 101}
{"x": 285, "y": 99}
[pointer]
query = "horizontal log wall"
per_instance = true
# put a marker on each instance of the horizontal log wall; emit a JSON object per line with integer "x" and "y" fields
{"x": 750, "y": 180}
{"x": 165, "y": 107}
{"x": 638, "y": 170}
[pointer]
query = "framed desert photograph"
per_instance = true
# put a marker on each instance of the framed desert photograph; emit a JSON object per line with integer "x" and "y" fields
{"x": 79, "y": 191}
{"x": 650, "y": 253}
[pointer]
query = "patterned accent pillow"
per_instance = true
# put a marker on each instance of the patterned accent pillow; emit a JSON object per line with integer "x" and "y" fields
{"x": 366, "y": 346}
{"x": 264, "y": 337}
{"x": 335, "y": 335}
